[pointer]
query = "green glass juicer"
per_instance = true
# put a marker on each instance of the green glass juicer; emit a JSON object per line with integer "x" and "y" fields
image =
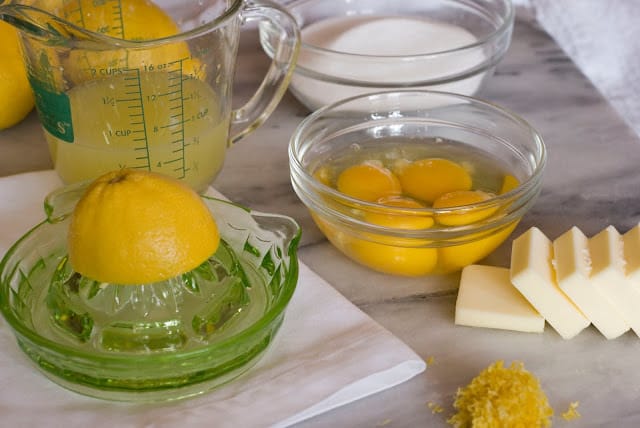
{"x": 150, "y": 342}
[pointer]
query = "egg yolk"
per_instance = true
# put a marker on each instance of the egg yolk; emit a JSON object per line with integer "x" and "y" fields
{"x": 399, "y": 221}
{"x": 391, "y": 259}
{"x": 509, "y": 182}
{"x": 323, "y": 175}
{"x": 456, "y": 257}
{"x": 429, "y": 182}
{"x": 463, "y": 216}
{"x": 368, "y": 182}
{"x": 382, "y": 257}
{"x": 428, "y": 179}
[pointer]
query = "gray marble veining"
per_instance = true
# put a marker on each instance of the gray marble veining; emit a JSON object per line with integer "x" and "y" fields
{"x": 591, "y": 181}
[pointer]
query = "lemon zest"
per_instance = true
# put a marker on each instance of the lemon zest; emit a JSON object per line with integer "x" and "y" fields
{"x": 435, "y": 408}
{"x": 502, "y": 396}
{"x": 572, "y": 412}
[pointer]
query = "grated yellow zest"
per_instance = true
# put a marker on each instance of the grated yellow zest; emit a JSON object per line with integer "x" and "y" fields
{"x": 435, "y": 408}
{"x": 572, "y": 412}
{"x": 430, "y": 360}
{"x": 384, "y": 423}
{"x": 502, "y": 397}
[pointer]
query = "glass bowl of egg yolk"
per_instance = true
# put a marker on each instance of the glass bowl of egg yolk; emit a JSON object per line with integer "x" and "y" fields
{"x": 416, "y": 183}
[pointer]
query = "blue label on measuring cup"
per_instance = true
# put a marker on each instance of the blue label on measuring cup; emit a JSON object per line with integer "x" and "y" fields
{"x": 54, "y": 110}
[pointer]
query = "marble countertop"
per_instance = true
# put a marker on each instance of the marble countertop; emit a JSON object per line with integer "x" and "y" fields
{"x": 591, "y": 182}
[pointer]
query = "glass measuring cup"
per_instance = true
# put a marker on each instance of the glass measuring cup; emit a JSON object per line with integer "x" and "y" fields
{"x": 130, "y": 83}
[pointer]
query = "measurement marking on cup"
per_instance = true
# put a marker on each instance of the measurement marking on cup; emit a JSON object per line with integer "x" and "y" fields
{"x": 117, "y": 14}
{"x": 114, "y": 27}
{"x": 135, "y": 106}
{"x": 178, "y": 77}
{"x": 175, "y": 124}
{"x": 153, "y": 117}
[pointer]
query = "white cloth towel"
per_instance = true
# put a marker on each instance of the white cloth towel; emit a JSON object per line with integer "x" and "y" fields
{"x": 327, "y": 353}
{"x": 602, "y": 37}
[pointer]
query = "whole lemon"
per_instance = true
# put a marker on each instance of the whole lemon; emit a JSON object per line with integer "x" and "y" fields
{"x": 16, "y": 97}
{"x": 139, "y": 227}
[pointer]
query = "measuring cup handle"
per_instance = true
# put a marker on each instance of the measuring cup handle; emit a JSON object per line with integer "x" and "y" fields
{"x": 251, "y": 115}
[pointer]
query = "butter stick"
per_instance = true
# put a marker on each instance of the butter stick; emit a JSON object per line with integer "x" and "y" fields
{"x": 583, "y": 274}
{"x": 486, "y": 298}
{"x": 631, "y": 249}
{"x": 533, "y": 275}
{"x": 631, "y": 255}
{"x": 608, "y": 274}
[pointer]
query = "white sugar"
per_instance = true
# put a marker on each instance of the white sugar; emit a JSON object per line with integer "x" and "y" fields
{"x": 384, "y": 36}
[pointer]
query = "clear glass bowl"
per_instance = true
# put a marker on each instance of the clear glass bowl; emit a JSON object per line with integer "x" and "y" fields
{"x": 401, "y": 122}
{"x": 150, "y": 342}
{"x": 323, "y": 76}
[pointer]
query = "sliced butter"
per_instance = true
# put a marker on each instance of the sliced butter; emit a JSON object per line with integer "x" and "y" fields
{"x": 631, "y": 246}
{"x": 486, "y": 298}
{"x": 631, "y": 255}
{"x": 575, "y": 261}
{"x": 533, "y": 275}
{"x": 608, "y": 275}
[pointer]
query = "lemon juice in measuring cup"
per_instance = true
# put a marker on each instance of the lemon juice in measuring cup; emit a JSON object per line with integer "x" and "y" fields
{"x": 161, "y": 121}
{"x": 145, "y": 84}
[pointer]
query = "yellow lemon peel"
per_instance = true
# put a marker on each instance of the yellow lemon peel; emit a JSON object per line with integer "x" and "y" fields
{"x": 16, "y": 97}
{"x": 139, "y": 227}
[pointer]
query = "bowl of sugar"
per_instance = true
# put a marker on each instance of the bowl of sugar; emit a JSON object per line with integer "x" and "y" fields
{"x": 353, "y": 47}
